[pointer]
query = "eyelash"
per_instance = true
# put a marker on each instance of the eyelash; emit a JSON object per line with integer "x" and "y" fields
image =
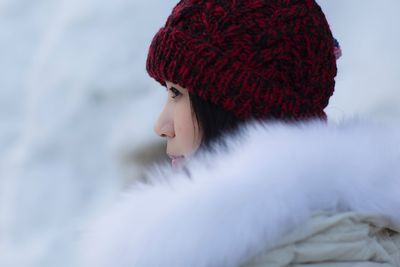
{"x": 174, "y": 92}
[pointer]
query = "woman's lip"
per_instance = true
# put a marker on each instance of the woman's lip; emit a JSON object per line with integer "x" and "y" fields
{"x": 175, "y": 157}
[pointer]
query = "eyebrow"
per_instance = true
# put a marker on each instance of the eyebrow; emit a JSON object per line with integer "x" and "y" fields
{"x": 166, "y": 86}
{"x": 174, "y": 86}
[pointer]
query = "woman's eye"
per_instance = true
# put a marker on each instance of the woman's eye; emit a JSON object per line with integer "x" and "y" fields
{"x": 174, "y": 92}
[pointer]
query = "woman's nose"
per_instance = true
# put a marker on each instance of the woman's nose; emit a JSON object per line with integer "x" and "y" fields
{"x": 164, "y": 125}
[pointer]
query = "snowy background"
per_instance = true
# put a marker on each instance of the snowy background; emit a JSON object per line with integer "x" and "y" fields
{"x": 77, "y": 107}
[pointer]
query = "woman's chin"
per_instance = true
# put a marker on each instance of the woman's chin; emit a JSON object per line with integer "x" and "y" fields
{"x": 177, "y": 161}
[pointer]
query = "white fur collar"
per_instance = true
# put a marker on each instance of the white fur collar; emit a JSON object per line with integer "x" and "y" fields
{"x": 238, "y": 203}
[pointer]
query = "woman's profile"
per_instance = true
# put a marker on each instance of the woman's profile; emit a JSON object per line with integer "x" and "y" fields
{"x": 272, "y": 181}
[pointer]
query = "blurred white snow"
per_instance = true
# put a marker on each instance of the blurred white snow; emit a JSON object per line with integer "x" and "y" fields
{"x": 77, "y": 107}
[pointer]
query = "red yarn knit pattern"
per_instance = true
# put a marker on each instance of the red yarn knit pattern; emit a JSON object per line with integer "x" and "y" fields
{"x": 260, "y": 59}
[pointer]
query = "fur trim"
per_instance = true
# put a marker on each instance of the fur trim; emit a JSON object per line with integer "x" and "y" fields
{"x": 239, "y": 202}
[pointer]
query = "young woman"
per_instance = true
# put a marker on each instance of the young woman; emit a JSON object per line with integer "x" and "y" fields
{"x": 280, "y": 186}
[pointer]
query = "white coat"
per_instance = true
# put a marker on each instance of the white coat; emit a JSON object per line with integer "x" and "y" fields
{"x": 309, "y": 194}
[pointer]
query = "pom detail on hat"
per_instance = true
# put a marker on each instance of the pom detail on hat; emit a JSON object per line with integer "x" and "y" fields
{"x": 337, "y": 49}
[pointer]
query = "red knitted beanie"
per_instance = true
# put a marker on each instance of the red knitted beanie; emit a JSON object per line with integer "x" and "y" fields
{"x": 265, "y": 59}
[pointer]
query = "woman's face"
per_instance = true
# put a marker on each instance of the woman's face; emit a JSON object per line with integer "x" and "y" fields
{"x": 178, "y": 124}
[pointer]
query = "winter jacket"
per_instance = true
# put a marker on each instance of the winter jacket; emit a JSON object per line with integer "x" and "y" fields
{"x": 336, "y": 239}
{"x": 305, "y": 194}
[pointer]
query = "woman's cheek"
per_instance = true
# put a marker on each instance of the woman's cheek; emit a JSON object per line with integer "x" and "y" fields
{"x": 185, "y": 127}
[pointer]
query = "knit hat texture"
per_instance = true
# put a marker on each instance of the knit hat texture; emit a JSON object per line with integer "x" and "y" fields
{"x": 264, "y": 59}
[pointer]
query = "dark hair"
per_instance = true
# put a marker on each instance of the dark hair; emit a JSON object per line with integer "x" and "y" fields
{"x": 213, "y": 120}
